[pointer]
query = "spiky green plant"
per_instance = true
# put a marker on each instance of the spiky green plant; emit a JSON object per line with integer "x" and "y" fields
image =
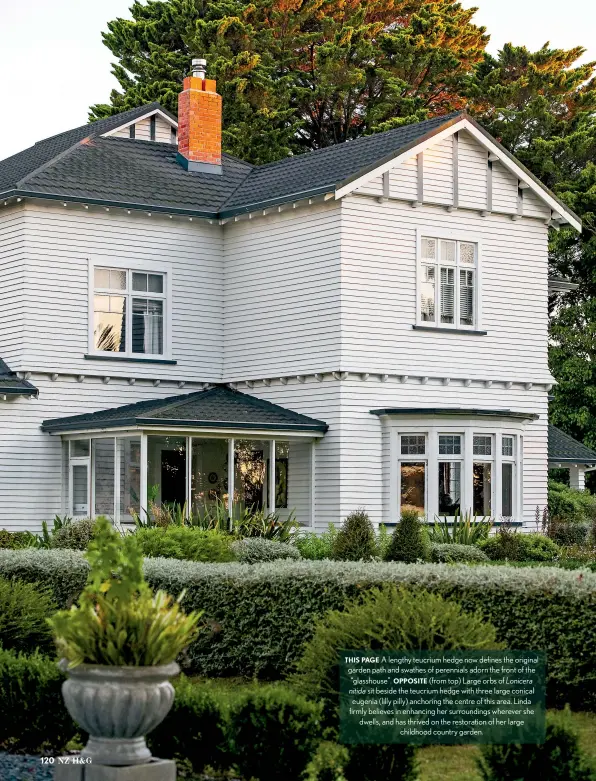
{"x": 118, "y": 620}
{"x": 465, "y": 529}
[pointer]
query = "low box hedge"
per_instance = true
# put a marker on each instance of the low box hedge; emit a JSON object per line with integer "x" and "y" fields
{"x": 259, "y": 617}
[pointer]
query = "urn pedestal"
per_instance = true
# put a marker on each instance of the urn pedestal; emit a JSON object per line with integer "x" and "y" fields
{"x": 118, "y": 706}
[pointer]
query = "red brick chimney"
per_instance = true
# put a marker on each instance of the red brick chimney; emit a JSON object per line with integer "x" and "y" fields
{"x": 199, "y": 122}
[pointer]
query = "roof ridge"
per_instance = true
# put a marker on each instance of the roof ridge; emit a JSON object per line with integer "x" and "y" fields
{"x": 351, "y": 141}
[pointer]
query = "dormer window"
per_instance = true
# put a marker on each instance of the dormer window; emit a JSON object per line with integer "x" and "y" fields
{"x": 448, "y": 283}
{"x": 129, "y": 312}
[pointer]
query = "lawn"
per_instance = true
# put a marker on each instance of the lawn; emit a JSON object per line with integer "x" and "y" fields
{"x": 458, "y": 763}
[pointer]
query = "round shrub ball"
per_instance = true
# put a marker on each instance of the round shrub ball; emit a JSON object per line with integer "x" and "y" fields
{"x": 516, "y": 546}
{"x": 254, "y": 550}
{"x": 559, "y": 758}
{"x": 75, "y": 535}
{"x": 453, "y": 553}
{"x": 391, "y": 618}
{"x": 24, "y": 609}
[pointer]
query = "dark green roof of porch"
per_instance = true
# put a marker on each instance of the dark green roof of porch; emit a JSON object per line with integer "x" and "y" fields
{"x": 219, "y": 407}
{"x": 565, "y": 449}
{"x": 11, "y": 385}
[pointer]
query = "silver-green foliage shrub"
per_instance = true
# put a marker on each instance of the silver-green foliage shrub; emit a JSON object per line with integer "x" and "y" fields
{"x": 255, "y": 550}
{"x": 451, "y": 553}
{"x": 261, "y": 616}
{"x": 75, "y": 535}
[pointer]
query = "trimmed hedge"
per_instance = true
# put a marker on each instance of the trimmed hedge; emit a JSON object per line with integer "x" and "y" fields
{"x": 32, "y": 712}
{"x": 260, "y": 617}
{"x": 269, "y": 729}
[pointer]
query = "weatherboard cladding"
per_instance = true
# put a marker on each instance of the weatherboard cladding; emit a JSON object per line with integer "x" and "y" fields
{"x": 563, "y": 448}
{"x": 213, "y": 408}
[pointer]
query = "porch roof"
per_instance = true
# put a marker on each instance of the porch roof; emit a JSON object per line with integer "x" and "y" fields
{"x": 563, "y": 449}
{"x": 11, "y": 385}
{"x": 216, "y": 408}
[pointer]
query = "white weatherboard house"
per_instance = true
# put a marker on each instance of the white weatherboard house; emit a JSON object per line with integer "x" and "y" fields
{"x": 361, "y": 326}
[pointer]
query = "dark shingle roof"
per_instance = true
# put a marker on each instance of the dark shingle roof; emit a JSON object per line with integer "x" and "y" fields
{"x": 324, "y": 168}
{"x": 80, "y": 165}
{"x": 218, "y": 407}
{"x": 14, "y": 170}
{"x": 10, "y": 384}
{"x": 563, "y": 448}
{"x": 125, "y": 171}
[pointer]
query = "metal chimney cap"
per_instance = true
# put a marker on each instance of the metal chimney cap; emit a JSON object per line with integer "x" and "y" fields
{"x": 199, "y": 67}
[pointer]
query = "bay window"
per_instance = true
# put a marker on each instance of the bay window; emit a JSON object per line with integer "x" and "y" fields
{"x": 129, "y": 312}
{"x": 448, "y": 283}
{"x": 444, "y": 470}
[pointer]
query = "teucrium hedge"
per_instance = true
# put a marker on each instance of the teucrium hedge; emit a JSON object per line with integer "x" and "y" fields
{"x": 260, "y": 617}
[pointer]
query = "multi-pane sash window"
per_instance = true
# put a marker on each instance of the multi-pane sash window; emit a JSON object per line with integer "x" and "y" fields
{"x": 448, "y": 282}
{"x": 507, "y": 475}
{"x": 129, "y": 311}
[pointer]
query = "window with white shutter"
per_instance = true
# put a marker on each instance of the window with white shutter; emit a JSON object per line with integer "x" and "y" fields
{"x": 448, "y": 283}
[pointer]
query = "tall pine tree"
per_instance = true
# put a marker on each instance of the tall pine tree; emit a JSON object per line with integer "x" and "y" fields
{"x": 299, "y": 74}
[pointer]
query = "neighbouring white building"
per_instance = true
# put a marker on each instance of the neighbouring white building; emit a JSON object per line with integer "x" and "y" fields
{"x": 360, "y": 326}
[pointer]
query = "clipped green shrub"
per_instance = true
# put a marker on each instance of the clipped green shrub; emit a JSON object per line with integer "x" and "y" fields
{"x": 196, "y": 729}
{"x": 569, "y": 505}
{"x": 515, "y": 546}
{"x": 255, "y": 550}
{"x": 316, "y": 547}
{"x": 274, "y": 733}
{"x": 185, "y": 542}
{"x": 409, "y": 542}
{"x": 329, "y": 762}
{"x": 558, "y": 759}
{"x": 265, "y": 731}
{"x": 452, "y": 553}
{"x": 75, "y": 535}
{"x": 356, "y": 540}
{"x": 260, "y": 617}
{"x": 389, "y": 618}
{"x": 15, "y": 540}
{"x": 24, "y": 610}
{"x": 32, "y": 712}
{"x": 566, "y": 534}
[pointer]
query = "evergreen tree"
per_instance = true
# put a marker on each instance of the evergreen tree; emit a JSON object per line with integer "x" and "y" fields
{"x": 299, "y": 74}
{"x": 542, "y": 107}
{"x": 409, "y": 542}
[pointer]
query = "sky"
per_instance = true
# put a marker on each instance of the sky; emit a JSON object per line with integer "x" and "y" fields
{"x": 55, "y": 65}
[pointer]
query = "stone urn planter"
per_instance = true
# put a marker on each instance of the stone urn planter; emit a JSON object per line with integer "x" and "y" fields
{"x": 118, "y": 706}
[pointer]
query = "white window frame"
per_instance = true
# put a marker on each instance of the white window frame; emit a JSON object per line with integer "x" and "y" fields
{"x": 414, "y": 458}
{"x": 458, "y": 237}
{"x": 432, "y": 429}
{"x": 130, "y": 266}
{"x": 74, "y": 461}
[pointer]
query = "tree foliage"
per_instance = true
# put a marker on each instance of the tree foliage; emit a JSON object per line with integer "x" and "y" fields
{"x": 299, "y": 74}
